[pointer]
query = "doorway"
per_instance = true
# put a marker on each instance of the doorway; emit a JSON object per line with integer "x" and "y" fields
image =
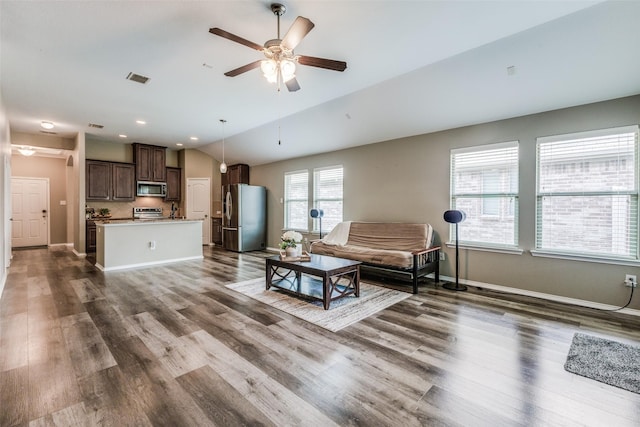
{"x": 29, "y": 212}
{"x": 199, "y": 204}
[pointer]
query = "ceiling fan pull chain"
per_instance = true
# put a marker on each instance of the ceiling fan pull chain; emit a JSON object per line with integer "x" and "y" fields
{"x": 279, "y": 117}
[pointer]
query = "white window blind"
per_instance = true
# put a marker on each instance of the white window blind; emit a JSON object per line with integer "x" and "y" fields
{"x": 484, "y": 185}
{"x": 296, "y": 200}
{"x": 327, "y": 195}
{"x": 587, "y": 193}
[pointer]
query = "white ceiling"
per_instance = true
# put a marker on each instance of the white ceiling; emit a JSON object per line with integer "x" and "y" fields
{"x": 413, "y": 67}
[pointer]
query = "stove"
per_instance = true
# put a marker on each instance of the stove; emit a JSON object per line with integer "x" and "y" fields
{"x": 147, "y": 213}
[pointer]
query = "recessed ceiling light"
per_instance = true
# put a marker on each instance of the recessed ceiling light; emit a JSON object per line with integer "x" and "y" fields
{"x": 141, "y": 122}
{"x": 46, "y": 125}
{"x": 194, "y": 138}
{"x": 179, "y": 144}
{"x": 122, "y": 135}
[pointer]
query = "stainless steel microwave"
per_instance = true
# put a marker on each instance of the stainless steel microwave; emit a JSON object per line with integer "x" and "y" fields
{"x": 153, "y": 189}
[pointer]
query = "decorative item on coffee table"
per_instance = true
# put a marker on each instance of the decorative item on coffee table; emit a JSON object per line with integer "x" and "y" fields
{"x": 290, "y": 243}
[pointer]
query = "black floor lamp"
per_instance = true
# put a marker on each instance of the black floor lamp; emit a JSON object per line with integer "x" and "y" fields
{"x": 455, "y": 217}
{"x": 317, "y": 213}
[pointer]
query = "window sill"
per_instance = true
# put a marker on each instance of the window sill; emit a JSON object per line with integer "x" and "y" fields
{"x": 483, "y": 248}
{"x": 586, "y": 258}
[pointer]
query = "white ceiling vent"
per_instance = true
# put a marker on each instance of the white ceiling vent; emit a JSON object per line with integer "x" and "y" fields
{"x": 48, "y": 132}
{"x": 137, "y": 78}
{"x": 93, "y": 125}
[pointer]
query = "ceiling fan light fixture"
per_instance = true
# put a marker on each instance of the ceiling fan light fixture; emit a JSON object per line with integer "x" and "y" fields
{"x": 287, "y": 69}
{"x": 269, "y": 67}
{"x": 46, "y": 125}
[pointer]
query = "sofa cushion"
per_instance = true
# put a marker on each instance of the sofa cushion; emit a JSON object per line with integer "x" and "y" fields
{"x": 390, "y": 235}
{"x": 382, "y": 257}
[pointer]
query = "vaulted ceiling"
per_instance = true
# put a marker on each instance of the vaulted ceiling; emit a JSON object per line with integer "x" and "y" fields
{"x": 413, "y": 67}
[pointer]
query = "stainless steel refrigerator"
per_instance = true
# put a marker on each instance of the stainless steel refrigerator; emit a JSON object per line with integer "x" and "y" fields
{"x": 244, "y": 219}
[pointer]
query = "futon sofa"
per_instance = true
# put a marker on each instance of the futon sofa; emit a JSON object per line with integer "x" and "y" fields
{"x": 384, "y": 247}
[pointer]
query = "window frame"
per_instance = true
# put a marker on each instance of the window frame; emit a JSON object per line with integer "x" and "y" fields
{"x": 512, "y": 192}
{"x": 287, "y": 200}
{"x": 315, "y": 222}
{"x": 593, "y": 256}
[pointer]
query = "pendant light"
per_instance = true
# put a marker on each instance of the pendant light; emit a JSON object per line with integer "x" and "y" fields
{"x": 223, "y": 165}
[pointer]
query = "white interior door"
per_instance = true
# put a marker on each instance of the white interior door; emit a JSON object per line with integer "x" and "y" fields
{"x": 29, "y": 212}
{"x": 199, "y": 204}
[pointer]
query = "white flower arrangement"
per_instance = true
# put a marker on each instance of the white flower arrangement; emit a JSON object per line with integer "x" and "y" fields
{"x": 290, "y": 239}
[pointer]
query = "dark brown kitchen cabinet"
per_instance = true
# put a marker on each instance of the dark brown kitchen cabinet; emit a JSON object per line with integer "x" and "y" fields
{"x": 91, "y": 236}
{"x": 174, "y": 182}
{"x": 236, "y": 174}
{"x": 110, "y": 181}
{"x": 98, "y": 181}
{"x": 123, "y": 182}
{"x": 151, "y": 162}
{"x": 216, "y": 231}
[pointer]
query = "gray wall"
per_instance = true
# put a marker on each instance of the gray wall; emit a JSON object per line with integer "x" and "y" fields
{"x": 407, "y": 180}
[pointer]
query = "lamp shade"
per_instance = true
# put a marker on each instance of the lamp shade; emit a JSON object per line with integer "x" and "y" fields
{"x": 316, "y": 213}
{"x": 454, "y": 217}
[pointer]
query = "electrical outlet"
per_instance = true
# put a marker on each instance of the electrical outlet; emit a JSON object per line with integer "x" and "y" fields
{"x": 442, "y": 256}
{"x": 152, "y": 245}
{"x": 630, "y": 280}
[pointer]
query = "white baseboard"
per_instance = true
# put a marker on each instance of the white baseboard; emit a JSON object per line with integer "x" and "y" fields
{"x": 147, "y": 264}
{"x": 541, "y": 295}
{"x": 78, "y": 254}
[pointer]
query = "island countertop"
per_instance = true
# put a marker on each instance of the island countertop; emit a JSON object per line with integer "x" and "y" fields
{"x": 137, "y": 221}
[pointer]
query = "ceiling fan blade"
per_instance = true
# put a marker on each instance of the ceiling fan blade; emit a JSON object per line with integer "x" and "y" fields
{"x": 243, "y": 69}
{"x": 292, "y": 85}
{"x": 329, "y": 64}
{"x": 227, "y": 35}
{"x": 300, "y": 28}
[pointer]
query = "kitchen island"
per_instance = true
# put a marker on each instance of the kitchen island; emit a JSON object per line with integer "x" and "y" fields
{"x": 137, "y": 243}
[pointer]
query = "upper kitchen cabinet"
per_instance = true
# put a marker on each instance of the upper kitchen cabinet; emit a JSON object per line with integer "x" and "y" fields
{"x": 174, "y": 183}
{"x": 151, "y": 162}
{"x": 236, "y": 174}
{"x": 123, "y": 182}
{"x": 98, "y": 181}
{"x": 110, "y": 181}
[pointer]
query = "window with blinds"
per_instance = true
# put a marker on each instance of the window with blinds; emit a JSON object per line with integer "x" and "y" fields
{"x": 587, "y": 193}
{"x": 327, "y": 195}
{"x": 296, "y": 200}
{"x": 484, "y": 185}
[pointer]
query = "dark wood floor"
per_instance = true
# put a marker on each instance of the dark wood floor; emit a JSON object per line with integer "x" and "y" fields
{"x": 170, "y": 345}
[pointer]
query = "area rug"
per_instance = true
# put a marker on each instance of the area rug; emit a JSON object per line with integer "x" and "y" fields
{"x": 341, "y": 313}
{"x": 606, "y": 361}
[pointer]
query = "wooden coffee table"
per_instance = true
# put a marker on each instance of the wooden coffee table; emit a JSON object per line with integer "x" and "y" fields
{"x": 323, "y": 278}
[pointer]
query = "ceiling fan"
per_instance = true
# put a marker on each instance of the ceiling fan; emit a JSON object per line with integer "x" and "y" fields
{"x": 280, "y": 63}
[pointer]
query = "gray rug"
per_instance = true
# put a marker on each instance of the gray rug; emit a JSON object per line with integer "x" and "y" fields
{"x": 341, "y": 313}
{"x": 606, "y": 361}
